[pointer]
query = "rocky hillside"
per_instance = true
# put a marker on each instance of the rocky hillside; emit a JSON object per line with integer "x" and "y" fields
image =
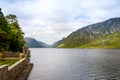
{"x": 94, "y": 35}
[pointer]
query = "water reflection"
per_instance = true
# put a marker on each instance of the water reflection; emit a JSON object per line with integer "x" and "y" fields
{"x": 75, "y": 64}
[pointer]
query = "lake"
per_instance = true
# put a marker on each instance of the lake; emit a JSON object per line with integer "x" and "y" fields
{"x": 75, "y": 64}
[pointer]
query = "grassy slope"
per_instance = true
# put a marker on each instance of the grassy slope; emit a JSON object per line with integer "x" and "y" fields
{"x": 8, "y": 62}
{"x": 107, "y": 41}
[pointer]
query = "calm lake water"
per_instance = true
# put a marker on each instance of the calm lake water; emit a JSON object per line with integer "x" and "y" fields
{"x": 75, "y": 64}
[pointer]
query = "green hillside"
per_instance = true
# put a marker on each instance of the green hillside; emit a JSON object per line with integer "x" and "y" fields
{"x": 104, "y": 34}
{"x": 108, "y": 41}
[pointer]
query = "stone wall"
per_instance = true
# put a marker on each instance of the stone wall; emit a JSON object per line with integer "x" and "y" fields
{"x": 10, "y": 73}
{"x": 15, "y": 54}
{"x": 10, "y": 54}
{"x": 4, "y": 72}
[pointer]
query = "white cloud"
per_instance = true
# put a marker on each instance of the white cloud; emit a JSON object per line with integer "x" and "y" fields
{"x": 50, "y": 20}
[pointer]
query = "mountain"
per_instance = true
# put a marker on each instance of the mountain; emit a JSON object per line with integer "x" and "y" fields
{"x": 32, "y": 43}
{"x": 100, "y": 35}
{"x": 107, "y": 41}
{"x": 56, "y": 44}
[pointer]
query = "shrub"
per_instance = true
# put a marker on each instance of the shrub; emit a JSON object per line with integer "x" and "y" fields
{"x": 1, "y": 55}
{"x": 21, "y": 55}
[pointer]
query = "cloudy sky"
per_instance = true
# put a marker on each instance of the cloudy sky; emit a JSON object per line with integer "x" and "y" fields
{"x": 51, "y": 20}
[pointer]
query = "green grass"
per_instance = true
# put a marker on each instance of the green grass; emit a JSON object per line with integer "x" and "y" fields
{"x": 107, "y": 41}
{"x": 8, "y": 62}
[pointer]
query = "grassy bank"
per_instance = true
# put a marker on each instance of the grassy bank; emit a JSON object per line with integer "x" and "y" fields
{"x": 9, "y": 62}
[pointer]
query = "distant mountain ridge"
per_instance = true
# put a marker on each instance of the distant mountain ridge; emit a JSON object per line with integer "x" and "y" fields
{"x": 33, "y": 43}
{"x": 56, "y": 44}
{"x": 87, "y": 35}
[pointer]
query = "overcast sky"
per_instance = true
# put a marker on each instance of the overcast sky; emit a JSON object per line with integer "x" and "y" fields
{"x": 51, "y": 20}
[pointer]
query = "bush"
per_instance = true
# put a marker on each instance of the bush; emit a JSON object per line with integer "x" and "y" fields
{"x": 1, "y": 56}
{"x": 21, "y": 55}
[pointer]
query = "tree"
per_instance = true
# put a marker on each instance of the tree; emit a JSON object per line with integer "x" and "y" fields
{"x": 11, "y": 35}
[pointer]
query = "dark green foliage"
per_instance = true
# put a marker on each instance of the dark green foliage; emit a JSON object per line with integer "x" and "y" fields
{"x": 11, "y": 35}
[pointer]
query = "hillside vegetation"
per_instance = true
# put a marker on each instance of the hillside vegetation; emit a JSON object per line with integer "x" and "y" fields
{"x": 100, "y": 35}
{"x": 108, "y": 41}
{"x": 11, "y": 35}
